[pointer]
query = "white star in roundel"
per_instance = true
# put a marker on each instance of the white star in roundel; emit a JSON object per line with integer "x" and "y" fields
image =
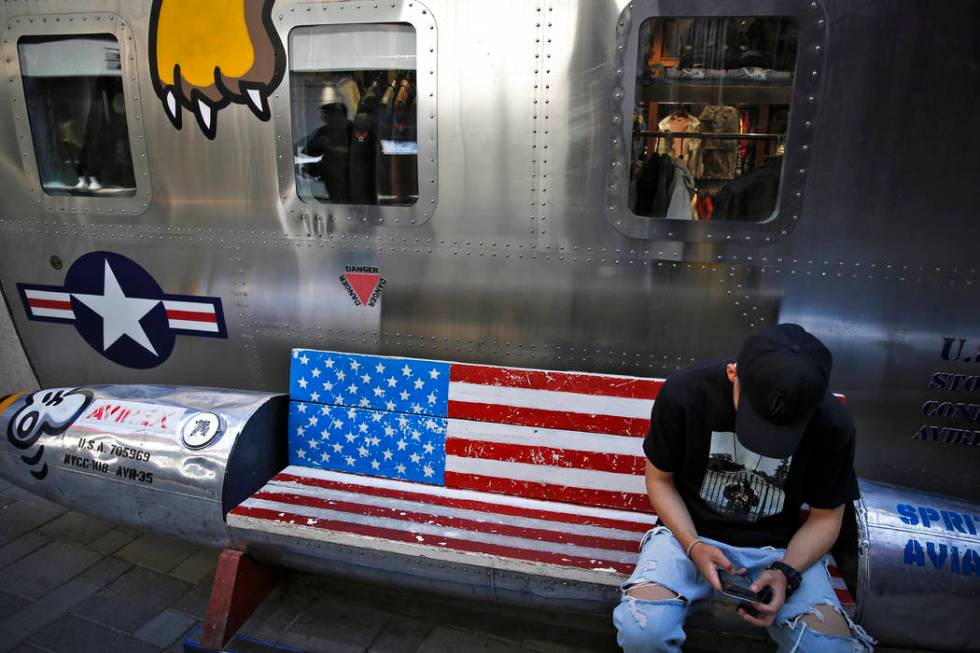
{"x": 375, "y": 464}
{"x": 315, "y": 372}
{"x": 354, "y": 365}
{"x": 390, "y": 432}
{"x": 390, "y": 405}
{"x": 387, "y": 454}
{"x": 314, "y": 396}
{"x": 428, "y": 471}
{"x": 428, "y": 448}
{"x": 433, "y": 374}
{"x": 419, "y": 383}
{"x": 363, "y": 452}
{"x": 329, "y": 363}
{"x": 313, "y": 443}
{"x": 304, "y": 359}
{"x": 366, "y": 378}
{"x": 301, "y": 408}
{"x": 415, "y": 458}
{"x": 340, "y": 375}
{"x": 379, "y": 368}
{"x": 392, "y": 382}
{"x": 325, "y": 457}
{"x": 350, "y": 460}
{"x": 404, "y": 395}
{"x": 328, "y": 386}
{"x": 300, "y": 453}
{"x": 364, "y": 402}
{"x": 302, "y": 383}
{"x": 407, "y": 371}
{"x": 352, "y": 389}
{"x": 313, "y": 420}
{"x": 350, "y": 436}
{"x": 337, "y": 447}
{"x": 431, "y": 398}
{"x": 402, "y": 444}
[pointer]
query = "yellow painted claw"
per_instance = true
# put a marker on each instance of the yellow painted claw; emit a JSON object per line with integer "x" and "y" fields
{"x": 206, "y": 55}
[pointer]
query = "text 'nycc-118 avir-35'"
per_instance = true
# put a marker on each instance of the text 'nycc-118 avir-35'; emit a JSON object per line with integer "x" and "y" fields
{"x": 192, "y": 191}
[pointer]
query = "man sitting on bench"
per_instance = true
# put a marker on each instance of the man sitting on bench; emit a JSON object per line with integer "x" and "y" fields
{"x": 735, "y": 449}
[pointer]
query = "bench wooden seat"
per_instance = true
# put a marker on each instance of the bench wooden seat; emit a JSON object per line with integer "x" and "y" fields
{"x": 525, "y": 471}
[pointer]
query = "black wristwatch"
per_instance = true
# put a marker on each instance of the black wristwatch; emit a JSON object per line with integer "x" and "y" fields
{"x": 793, "y": 577}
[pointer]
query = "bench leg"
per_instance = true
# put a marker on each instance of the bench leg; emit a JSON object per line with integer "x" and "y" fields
{"x": 240, "y": 585}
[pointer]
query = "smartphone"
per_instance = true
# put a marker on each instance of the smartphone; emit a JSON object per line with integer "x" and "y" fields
{"x": 739, "y": 589}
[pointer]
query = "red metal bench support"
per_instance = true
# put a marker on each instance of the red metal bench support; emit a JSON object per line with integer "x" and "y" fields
{"x": 240, "y": 586}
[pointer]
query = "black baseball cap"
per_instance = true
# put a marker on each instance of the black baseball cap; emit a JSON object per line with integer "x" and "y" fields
{"x": 783, "y": 373}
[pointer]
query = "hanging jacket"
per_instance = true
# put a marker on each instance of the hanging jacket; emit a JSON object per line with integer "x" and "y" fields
{"x": 687, "y": 150}
{"x": 719, "y": 157}
{"x": 751, "y": 197}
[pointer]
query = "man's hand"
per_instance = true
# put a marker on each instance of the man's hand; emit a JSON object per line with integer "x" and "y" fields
{"x": 708, "y": 559}
{"x": 767, "y": 611}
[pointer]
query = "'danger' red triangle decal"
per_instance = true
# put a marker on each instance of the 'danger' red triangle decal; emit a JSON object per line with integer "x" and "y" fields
{"x": 363, "y": 284}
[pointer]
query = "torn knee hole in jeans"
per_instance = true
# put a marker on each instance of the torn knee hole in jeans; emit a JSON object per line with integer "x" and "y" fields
{"x": 646, "y": 584}
{"x": 639, "y": 615}
{"x": 855, "y": 632}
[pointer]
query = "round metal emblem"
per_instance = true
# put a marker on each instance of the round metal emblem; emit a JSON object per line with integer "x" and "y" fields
{"x": 201, "y": 430}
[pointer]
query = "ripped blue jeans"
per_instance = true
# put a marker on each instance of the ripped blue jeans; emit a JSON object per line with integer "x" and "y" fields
{"x": 647, "y": 625}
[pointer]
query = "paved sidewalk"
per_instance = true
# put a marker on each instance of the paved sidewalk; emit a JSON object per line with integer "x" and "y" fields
{"x": 72, "y": 583}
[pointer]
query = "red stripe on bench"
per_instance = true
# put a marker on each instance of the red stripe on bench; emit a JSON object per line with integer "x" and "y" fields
{"x": 432, "y": 540}
{"x": 551, "y": 492}
{"x": 592, "y": 384}
{"x": 467, "y": 504}
{"x": 451, "y": 522}
{"x": 546, "y": 456}
{"x": 550, "y": 419}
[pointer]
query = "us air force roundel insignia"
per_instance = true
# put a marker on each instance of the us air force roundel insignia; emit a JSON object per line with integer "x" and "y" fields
{"x": 120, "y": 310}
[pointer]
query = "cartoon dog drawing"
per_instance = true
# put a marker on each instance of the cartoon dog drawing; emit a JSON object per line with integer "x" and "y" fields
{"x": 206, "y": 55}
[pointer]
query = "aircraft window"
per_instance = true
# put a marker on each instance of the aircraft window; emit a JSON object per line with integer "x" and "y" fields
{"x": 77, "y": 111}
{"x": 353, "y": 106}
{"x": 712, "y": 110}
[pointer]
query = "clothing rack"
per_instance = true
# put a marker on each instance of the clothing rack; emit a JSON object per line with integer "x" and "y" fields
{"x": 731, "y": 136}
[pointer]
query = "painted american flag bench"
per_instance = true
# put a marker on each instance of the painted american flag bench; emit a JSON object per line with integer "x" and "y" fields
{"x": 524, "y": 471}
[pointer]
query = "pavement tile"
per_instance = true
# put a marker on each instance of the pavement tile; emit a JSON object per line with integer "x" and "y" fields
{"x": 400, "y": 634}
{"x": 328, "y": 624}
{"x": 197, "y": 566}
{"x": 132, "y": 599}
{"x": 21, "y": 494}
{"x": 72, "y": 634}
{"x": 280, "y": 609}
{"x": 112, "y": 541}
{"x": 75, "y": 527}
{"x": 156, "y": 552}
{"x": 451, "y": 640}
{"x": 106, "y": 570}
{"x": 11, "y": 604}
{"x": 22, "y": 517}
{"x": 20, "y": 626}
{"x": 195, "y": 601}
{"x": 24, "y": 545}
{"x": 164, "y": 629}
{"x": 178, "y": 645}
{"x": 40, "y": 572}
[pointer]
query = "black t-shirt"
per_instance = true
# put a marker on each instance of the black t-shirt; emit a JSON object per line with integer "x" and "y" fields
{"x": 734, "y": 495}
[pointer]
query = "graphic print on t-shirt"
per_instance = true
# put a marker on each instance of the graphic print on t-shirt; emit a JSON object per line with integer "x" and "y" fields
{"x": 741, "y": 484}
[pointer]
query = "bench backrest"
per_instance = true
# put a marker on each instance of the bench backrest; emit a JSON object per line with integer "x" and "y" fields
{"x": 562, "y": 436}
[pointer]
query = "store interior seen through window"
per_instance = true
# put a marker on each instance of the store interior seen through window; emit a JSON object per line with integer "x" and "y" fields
{"x": 712, "y": 109}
